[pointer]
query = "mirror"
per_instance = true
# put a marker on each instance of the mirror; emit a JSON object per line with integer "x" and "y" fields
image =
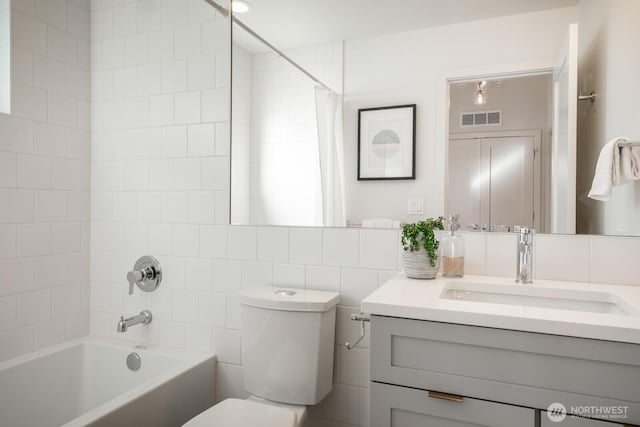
{"x": 303, "y": 73}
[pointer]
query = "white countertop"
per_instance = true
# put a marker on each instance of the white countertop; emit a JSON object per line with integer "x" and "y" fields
{"x": 420, "y": 299}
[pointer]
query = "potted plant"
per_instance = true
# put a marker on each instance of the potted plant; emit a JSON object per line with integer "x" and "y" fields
{"x": 420, "y": 256}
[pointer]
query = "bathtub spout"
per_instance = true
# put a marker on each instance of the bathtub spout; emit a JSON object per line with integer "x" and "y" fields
{"x": 144, "y": 317}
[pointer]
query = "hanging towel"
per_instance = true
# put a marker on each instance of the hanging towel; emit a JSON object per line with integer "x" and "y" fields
{"x": 630, "y": 161}
{"x": 609, "y": 171}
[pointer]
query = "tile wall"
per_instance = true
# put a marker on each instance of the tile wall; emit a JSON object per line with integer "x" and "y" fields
{"x": 45, "y": 178}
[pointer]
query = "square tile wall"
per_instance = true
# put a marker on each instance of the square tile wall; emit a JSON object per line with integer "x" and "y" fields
{"x": 45, "y": 149}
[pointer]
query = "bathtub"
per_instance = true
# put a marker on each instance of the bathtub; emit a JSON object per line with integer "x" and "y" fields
{"x": 87, "y": 383}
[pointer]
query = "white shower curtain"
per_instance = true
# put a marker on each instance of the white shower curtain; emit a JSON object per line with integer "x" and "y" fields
{"x": 330, "y": 147}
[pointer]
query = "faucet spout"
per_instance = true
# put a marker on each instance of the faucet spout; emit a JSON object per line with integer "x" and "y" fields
{"x": 524, "y": 264}
{"x": 144, "y": 317}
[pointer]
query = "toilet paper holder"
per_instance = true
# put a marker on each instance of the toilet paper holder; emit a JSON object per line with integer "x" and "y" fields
{"x": 362, "y": 318}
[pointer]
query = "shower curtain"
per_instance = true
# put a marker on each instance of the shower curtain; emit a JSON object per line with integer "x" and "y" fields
{"x": 330, "y": 148}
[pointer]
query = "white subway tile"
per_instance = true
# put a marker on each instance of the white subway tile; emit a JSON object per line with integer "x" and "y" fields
{"x": 188, "y": 41}
{"x": 202, "y": 140}
{"x": 16, "y": 135}
{"x": 273, "y": 244}
{"x": 161, "y": 110}
{"x": 28, "y": 33}
{"x": 34, "y": 239}
{"x": 101, "y": 24}
{"x": 53, "y": 12}
{"x": 8, "y": 313}
{"x": 215, "y": 174}
{"x": 199, "y": 274}
{"x": 151, "y": 83}
{"x": 474, "y": 253}
{"x": 558, "y": 257}
{"x": 66, "y": 300}
{"x": 213, "y": 241}
{"x": 187, "y": 107}
{"x": 62, "y": 46}
{"x": 225, "y": 343}
{"x": 185, "y": 305}
{"x": 56, "y": 268}
{"x": 354, "y": 366}
{"x": 501, "y": 254}
{"x": 363, "y": 407}
{"x": 305, "y": 245}
{"x": 197, "y": 338}
{"x": 612, "y": 260}
{"x": 8, "y": 241}
{"x": 174, "y": 77}
{"x": 124, "y": 19}
{"x": 33, "y": 307}
{"x": 340, "y": 247}
{"x": 17, "y": 274}
{"x": 186, "y": 174}
{"x": 50, "y": 74}
{"x": 323, "y": 278}
{"x": 21, "y": 65}
{"x": 212, "y": 309}
{"x": 136, "y": 49}
{"x": 17, "y": 206}
{"x": 215, "y": 105}
{"x": 78, "y": 325}
{"x": 111, "y": 54}
{"x": 202, "y": 72}
{"x": 174, "y": 206}
{"x": 49, "y": 140}
{"x": 256, "y": 274}
{"x": 214, "y": 37}
{"x": 50, "y": 332}
{"x": 63, "y": 110}
{"x": 79, "y": 21}
{"x": 233, "y": 312}
{"x": 171, "y": 333}
{"x": 66, "y": 237}
{"x": 16, "y": 342}
{"x": 29, "y": 102}
{"x": 379, "y": 249}
{"x": 227, "y": 276}
{"x": 356, "y": 285}
{"x": 223, "y": 139}
{"x": 161, "y": 46}
{"x": 289, "y": 275}
{"x": 185, "y": 240}
{"x": 243, "y": 243}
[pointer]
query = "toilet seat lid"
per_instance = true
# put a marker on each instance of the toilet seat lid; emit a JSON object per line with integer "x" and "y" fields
{"x": 243, "y": 413}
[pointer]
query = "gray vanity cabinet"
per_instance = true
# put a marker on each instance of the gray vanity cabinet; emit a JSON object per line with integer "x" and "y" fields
{"x": 408, "y": 407}
{"x": 491, "y": 375}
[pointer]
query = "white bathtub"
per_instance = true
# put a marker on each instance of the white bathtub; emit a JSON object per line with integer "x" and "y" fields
{"x": 87, "y": 383}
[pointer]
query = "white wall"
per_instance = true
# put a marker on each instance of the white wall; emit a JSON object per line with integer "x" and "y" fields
{"x": 608, "y": 65}
{"x": 412, "y": 67}
{"x": 44, "y": 179}
{"x": 5, "y": 56}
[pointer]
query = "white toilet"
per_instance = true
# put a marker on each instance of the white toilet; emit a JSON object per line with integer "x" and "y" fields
{"x": 287, "y": 354}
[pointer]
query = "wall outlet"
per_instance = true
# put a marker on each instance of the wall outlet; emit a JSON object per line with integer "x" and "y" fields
{"x": 415, "y": 207}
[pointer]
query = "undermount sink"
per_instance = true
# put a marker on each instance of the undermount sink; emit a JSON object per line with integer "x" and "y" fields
{"x": 530, "y": 296}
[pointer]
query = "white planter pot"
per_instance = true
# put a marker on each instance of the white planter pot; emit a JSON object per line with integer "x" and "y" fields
{"x": 417, "y": 265}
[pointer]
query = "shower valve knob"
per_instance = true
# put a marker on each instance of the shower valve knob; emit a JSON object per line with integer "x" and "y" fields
{"x": 146, "y": 274}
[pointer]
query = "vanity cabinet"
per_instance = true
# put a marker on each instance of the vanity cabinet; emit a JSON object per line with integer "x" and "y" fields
{"x": 576, "y": 422}
{"x": 494, "y": 371}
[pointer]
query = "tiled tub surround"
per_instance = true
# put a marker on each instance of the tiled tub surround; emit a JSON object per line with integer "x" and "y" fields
{"x": 196, "y": 306}
{"x": 45, "y": 147}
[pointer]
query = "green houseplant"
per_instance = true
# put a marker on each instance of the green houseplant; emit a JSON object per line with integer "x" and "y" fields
{"x": 420, "y": 246}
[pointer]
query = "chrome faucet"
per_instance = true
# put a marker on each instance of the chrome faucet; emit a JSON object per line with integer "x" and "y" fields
{"x": 524, "y": 264}
{"x": 144, "y": 317}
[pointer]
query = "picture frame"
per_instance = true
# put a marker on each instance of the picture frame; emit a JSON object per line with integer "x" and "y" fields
{"x": 387, "y": 143}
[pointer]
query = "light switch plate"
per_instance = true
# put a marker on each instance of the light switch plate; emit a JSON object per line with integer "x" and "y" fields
{"x": 415, "y": 207}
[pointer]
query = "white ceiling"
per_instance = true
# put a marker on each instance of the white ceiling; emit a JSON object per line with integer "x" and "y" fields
{"x": 294, "y": 23}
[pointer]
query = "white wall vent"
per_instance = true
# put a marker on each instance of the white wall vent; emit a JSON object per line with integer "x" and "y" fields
{"x": 481, "y": 118}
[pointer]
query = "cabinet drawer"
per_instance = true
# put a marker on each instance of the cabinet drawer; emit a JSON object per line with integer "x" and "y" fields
{"x": 520, "y": 368}
{"x": 394, "y": 406}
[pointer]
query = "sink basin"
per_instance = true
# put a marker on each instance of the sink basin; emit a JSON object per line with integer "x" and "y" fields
{"x": 530, "y": 296}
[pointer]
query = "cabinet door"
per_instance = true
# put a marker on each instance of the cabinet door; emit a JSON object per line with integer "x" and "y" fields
{"x": 575, "y": 422}
{"x": 395, "y": 406}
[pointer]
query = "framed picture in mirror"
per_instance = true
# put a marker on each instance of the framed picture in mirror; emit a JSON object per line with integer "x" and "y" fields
{"x": 387, "y": 143}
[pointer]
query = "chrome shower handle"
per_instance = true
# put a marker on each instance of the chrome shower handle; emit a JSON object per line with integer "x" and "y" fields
{"x": 146, "y": 273}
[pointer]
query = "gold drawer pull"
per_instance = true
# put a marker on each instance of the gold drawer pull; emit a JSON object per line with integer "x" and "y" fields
{"x": 446, "y": 396}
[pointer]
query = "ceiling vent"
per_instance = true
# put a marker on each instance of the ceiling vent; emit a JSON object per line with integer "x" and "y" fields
{"x": 481, "y": 118}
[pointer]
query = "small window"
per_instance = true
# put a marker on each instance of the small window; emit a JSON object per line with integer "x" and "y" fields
{"x": 5, "y": 56}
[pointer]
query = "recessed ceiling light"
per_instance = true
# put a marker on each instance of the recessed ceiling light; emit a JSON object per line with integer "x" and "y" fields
{"x": 240, "y": 6}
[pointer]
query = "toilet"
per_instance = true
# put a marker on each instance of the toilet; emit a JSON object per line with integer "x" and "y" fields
{"x": 287, "y": 354}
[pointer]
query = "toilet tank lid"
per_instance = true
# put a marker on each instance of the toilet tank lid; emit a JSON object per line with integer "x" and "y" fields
{"x": 289, "y": 299}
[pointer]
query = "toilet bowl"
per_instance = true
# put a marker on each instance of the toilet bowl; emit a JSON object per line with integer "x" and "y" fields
{"x": 287, "y": 354}
{"x": 251, "y": 412}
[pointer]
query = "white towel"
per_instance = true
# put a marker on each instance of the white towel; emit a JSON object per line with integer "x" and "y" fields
{"x": 609, "y": 171}
{"x": 630, "y": 161}
{"x": 380, "y": 223}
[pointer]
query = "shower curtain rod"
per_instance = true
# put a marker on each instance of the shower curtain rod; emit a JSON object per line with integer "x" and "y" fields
{"x": 278, "y": 52}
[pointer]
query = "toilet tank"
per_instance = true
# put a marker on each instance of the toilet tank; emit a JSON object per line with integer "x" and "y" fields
{"x": 287, "y": 343}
